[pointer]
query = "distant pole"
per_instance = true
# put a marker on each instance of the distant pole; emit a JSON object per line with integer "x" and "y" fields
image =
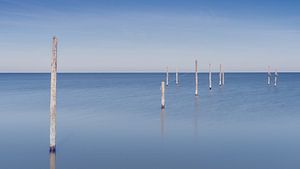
{"x": 177, "y": 76}
{"x": 163, "y": 95}
{"x": 196, "y": 78}
{"x": 276, "y": 77}
{"x": 167, "y": 77}
{"x": 220, "y": 76}
{"x": 209, "y": 77}
{"x": 223, "y": 76}
{"x": 53, "y": 96}
{"x": 269, "y": 76}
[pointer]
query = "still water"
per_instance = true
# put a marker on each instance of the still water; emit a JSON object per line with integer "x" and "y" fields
{"x": 114, "y": 121}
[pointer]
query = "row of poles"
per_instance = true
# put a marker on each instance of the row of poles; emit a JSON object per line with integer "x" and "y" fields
{"x": 53, "y": 89}
{"x": 163, "y": 83}
{"x": 270, "y": 76}
{"x": 221, "y": 80}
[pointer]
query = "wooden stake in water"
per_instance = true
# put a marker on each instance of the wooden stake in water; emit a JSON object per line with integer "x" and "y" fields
{"x": 177, "y": 82}
{"x": 223, "y": 76}
{"x": 167, "y": 77}
{"x": 53, "y": 96}
{"x": 196, "y": 78}
{"x": 276, "y": 77}
{"x": 163, "y": 95}
{"x": 209, "y": 77}
{"x": 269, "y": 76}
{"x": 220, "y": 76}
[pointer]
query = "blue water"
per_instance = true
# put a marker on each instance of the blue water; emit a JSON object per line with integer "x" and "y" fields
{"x": 114, "y": 121}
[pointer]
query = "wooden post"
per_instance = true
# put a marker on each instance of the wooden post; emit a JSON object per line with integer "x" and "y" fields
{"x": 167, "y": 77}
{"x": 220, "y": 76}
{"x": 223, "y": 76}
{"x": 53, "y": 96}
{"x": 196, "y": 78}
{"x": 163, "y": 95}
{"x": 209, "y": 77}
{"x": 269, "y": 76}
{"x": 177, "y": 82}
{"x": 276, "y": 77}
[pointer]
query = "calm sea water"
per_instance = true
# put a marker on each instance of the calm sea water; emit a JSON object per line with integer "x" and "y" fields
{"x": 114, "y": 121}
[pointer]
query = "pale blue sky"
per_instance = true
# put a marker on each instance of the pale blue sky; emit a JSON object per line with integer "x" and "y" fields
{"x": 140, "y": 35}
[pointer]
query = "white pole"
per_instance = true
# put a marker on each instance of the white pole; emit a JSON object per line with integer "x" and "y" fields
{"x": 196, "y": 78}
{"x": 220, "y": 76}
{"x": 163, "y": 95}
{"x": 223, "y": 76}
{"x": 269, "y": 76}
{"x": 53, "y": 96}
{"x": 209, "y": 77}
{"x": 276, "y": 76}
{"x": 177, "y": 76}
{"x": 167, "y": 77}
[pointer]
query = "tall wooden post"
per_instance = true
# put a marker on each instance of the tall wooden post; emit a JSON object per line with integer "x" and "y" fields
{"x": 269, "y": 76}
{"x": 196, "y": 78}
{"x": 53, "y": 96}
{"x": 163, "y": 104}
{"x": 209, "y": 77}
{"x": 167, "y": 77}
{"x": 220, "y": 76}
{"x": 177, "y": 81}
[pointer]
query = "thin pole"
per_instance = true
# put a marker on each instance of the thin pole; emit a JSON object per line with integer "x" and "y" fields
{"x": 53, "y": 96}
{"x": 196, "y": 78}
{"x": 177, "y": 76}
{"x": 223, "y": 76}
{"x": 269, "y": 76}
{"x": 220, "y": 76}
{"x": 209, "y": 77}
{"x": 276, "y": 76}
{"x": 163, "y": 95}
{"x": 167, "y": 77}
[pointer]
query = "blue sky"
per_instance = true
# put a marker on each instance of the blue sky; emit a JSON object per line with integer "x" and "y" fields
{"x": 143, "y": 35}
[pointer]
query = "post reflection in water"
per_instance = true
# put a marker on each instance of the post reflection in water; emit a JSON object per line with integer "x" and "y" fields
{"x": 195, "y": 116}
{"x": 52, "y": 160}
{"x": 162, "y": 123}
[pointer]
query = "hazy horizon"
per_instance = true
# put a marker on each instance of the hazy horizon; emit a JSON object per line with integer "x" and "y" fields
{"x": 147, "y": 36}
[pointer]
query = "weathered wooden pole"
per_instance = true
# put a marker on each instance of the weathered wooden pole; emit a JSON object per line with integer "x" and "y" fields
{"x": 163, "y": 104}
{"x": 177, "y": 81}
{"x": 220, "y": 76}
{"x": 269, "y": 76}
{"x": 196, "y": 78}
{"x": 53, "y": 96}
{"x": 223, "y": 76}
{"x": 209, "y": 77}
{"x": 167, "y": 77}
{"x": 276, "y": 77}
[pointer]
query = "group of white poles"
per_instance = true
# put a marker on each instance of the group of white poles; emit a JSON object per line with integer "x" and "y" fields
{"x": 163, "y": 84}
{"x": 270, "y": 77}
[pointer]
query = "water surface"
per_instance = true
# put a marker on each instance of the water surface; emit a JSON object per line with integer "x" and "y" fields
{"x": 114, "y": 121}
